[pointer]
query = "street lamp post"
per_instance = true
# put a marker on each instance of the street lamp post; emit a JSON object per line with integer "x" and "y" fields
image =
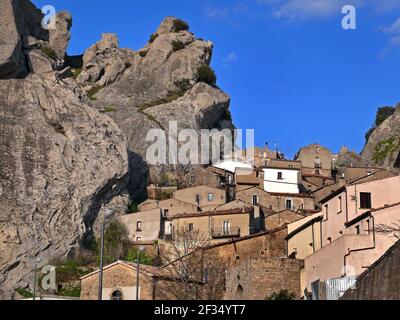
{"x": 140, "y": 250}
{"x": 108, "y": 214}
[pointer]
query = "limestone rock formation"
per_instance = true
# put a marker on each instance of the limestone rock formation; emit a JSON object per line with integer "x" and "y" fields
{"x": 61, "y": 161}
{"x": 383, "y": 147}
{"x": 146, "y": 89}
{"x": 73, "y": 129}
{"x": 59, "y": 34}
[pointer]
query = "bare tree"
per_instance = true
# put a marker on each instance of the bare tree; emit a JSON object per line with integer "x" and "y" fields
{"x": 392, "y": 230}
{"x": 199, "y": 272}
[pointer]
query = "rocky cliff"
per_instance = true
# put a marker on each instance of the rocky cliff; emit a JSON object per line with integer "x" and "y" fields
{"x": 73, "y": 129}
{"x": 383, "y": 146}
{"x": 145, "y": 89}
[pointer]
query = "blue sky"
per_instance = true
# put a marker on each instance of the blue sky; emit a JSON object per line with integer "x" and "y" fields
{"x": 294, "y": 75}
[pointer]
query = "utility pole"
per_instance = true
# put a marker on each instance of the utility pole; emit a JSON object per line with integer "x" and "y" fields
{"x": 108, "y": 214}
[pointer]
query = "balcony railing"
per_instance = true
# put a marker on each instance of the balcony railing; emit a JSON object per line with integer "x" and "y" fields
{"x": 233, "y": 232}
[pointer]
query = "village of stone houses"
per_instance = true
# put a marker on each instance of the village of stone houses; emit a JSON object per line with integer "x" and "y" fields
{"x": 84, "y": 215}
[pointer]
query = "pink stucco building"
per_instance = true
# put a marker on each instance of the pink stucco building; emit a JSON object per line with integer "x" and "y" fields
{"x": 350, "y": 238}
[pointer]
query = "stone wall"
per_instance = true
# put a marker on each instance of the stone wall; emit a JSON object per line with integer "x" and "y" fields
{"x": 381, "y": 281}
{"x": 257, "y": 278}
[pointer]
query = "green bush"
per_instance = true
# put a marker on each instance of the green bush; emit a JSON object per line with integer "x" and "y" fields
{"x": 133, "y": 207}
{"x": 93, "y": 91}
{"x": 143, "y": 53}
{"x": 76, "y": 72}
{"x": 153, "y": 37}
{"x": 180, "y": 25}
{"x": 132, "y": 255}
{"x": 49, "y": 52}
{"x": 177, "y": 45}
{"x": 183, "y": 85}
{"x": 207, "y": 75}
{"x": 24, "y": 293}
{"x": 74, "y": 292}
{"x": 116, "y": 242}
{"x": 282, "y": 295}
{"x": 384, "y": 149}
{"x": 381, "y": 115}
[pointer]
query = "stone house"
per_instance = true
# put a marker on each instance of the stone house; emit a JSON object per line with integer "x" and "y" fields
{"x": 275, "y": 220}
{"x": 120, "y": 283}
{"x": 218, "y": 225}
{"x": 350, "y": 240}
{"x": 276, "y": 201}
{"x": 315, "y": 160}
{"x": 210, "y": 176}
{"x": 205, "y": 197}
{"x": 258, "y": 266}
{"x": 246, "y": 178}
{"x": 144, "y": 226}
{"x": 160, "y": 193}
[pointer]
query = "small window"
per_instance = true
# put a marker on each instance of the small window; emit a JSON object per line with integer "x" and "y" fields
{"x": 365, "y": 200}
{"x": 317, "y": 172}
{"x": 197, "y": 199}
{"x": 358, "y": 230}
{"x": 340, "y": 204}
{"x": 190, "y": 227}
{"x": 138, "y": 239}
{"x": 210, "y": 197}
{"x": 116, "y": 296}
{"x": 289, "y": 204}
{"x": 280, "y": 176}
{"x": 326, "y": 212}
{"x": 139, "y": 226}
{"x": 226, "y": 227}
{"x": 255, "y": 200}
{"x": 166, "y": 212}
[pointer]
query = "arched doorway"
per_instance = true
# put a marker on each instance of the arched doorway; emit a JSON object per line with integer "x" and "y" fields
{"x": 117, "y": 296}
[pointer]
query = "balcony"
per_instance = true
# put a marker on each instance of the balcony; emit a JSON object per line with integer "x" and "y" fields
{"x": 221, "y": 233}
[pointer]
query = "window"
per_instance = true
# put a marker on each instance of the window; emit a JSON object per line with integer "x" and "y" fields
{"x": 317, "y": 172}
{"x": 139, "y": 226}
{"x": 358, "y": 230}
{"x": 317, "y": 162}
{"x": 289, "y": 205}
{"x": 369, "y": 226}
{"x": 116, "y": 296}
{"x": 166, "y": 212}
{"x": 226, "y": 227}
{"x": 340, "y": 205}
{"x": 190, "y": 227}
{"x": 198, "y": 199}
{"x": 255, "y": 200}
{"x": 280, "y": 176}
{"x": 326, "y": 211}
{"x": 210, "y": 197}
{"x": 365, "y": 200}
{"x": 138, "y": 239}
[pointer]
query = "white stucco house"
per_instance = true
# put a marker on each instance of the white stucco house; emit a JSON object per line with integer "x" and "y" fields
{"x": 286, "y": 180}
